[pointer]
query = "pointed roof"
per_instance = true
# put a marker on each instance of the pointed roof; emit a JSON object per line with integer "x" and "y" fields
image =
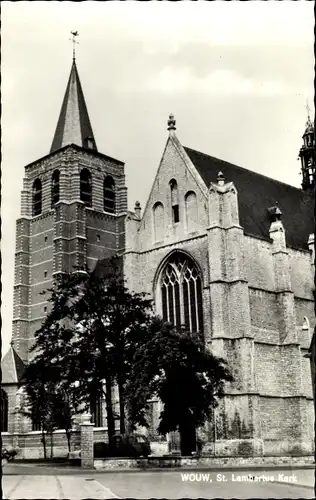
{"x": 256, "y": 194}
{"x": 12, "y": 367}
{"x": 73, "y": 126}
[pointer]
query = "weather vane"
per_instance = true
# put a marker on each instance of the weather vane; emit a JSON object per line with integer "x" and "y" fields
{"x": 73, "y": 40}
{"x": 308, "y": 109}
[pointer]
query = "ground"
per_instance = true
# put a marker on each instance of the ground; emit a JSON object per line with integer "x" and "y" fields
{"x": 33, "y": 482}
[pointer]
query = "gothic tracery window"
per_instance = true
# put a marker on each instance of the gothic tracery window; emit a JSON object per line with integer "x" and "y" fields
{"x": 36, "y": 425}
{"x": 55, "y": 187}
{"x": 96, "y": 411}
{"x": 181, "y": 293}
{"x": 109, "y": 194}
{"x": 37, "y": 197}
{"x": 86, "y": 187}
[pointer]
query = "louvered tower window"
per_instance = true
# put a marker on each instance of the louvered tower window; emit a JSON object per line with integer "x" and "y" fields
{"x": 109, "y": 194}
{"x": 86, "y": 187}
{"x": 181, "y": 292}
{"x": 4, "y": 411}
{"x": 37, "y": 197}
{"x": 55, "y": 187}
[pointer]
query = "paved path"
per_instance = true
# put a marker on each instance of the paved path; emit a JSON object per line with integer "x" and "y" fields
{"x": 57, "y": 487}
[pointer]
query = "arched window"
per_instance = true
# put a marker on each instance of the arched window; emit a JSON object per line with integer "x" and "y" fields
{"x": 159, "y": 221}
{"x": 181, "y": 293}
{"x": 86, "y": 187}
{"x": 174, "y": 201}
{"x": 191, "y": 211}
{"x": 89, "y": 143}
{"x": 4, "y": 411}
{"x": 55, "y": 187}
{"x": 109, "y": 194}
{"x": 37, "y": 197}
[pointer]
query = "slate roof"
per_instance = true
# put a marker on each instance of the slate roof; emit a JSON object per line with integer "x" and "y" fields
{"x": 256, "y": 194}
{"x": 12, "y": 367}
{"x": 73, "y": 126}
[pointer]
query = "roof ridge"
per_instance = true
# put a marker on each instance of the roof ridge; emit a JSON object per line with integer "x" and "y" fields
{"x": 245, "y": 169}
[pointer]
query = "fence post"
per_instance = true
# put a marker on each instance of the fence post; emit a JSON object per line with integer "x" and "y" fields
{"x": 86, "y": 438}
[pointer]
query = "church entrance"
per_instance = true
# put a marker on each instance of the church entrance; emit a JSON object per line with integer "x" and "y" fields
{"x": 187, "y": 438}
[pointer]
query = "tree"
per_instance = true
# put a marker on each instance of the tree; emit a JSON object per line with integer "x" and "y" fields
{"x": 114, "y": 322}
{"x": 175, "y": 367}
{"x": 46, "y": 403}
{"x": 88, "y": 339}
{"x": 49, "y": 400}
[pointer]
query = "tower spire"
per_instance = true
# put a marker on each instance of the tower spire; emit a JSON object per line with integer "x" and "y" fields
{"x": 73, "y": 126}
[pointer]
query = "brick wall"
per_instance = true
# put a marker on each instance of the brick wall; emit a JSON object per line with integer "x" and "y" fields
{"x": 283, "y": 434}
{"x": 253, "y": 288}
{"x": 301, "y": 273}
{"x": 67, "y": 236}
{"x": 259, "y": 263}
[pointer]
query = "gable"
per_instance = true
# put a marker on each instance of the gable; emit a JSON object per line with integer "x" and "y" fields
{"x": 178, "y": 193}
{"x": 257, "y": 193}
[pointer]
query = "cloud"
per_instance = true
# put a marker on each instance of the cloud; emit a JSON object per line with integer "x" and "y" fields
{"x": 218, "y": 82}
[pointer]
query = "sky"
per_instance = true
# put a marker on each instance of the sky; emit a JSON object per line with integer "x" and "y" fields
{"x": 236, "y": 75}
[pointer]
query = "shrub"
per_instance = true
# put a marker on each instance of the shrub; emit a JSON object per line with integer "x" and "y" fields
{"x": 8, "y": 453}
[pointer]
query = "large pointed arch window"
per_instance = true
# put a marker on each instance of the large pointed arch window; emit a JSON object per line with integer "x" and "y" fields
{"x": 181, "y": 293}
{"x": 4, "y": 411}
{"x": 86, "y": 187}
{"x": 109, "y": 194}
{"x": 37, "y": 197}
{"x": 55, "y": 187}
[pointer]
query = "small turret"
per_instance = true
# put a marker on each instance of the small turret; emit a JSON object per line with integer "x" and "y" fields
{"x": 307, "y": 154}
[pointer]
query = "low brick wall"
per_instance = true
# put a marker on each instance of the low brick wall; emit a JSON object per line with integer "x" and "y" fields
{"x": 30, "y": 446}
{"x": 194, "y": 462}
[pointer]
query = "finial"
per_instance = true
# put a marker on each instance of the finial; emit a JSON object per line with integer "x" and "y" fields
{"x": 74, "y": 42}
{"x": 220, "y": 178}
{"x": 137, "y": 209}
{"x": 275, "y": 212}
{"x": 171, "y": 123}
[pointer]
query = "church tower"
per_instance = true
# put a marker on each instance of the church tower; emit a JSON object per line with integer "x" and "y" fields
{"x": 307, "y": 155}
{"x": 73, "y": 208}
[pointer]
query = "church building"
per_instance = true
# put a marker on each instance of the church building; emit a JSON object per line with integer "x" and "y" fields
{"x": 225, "y": 251}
